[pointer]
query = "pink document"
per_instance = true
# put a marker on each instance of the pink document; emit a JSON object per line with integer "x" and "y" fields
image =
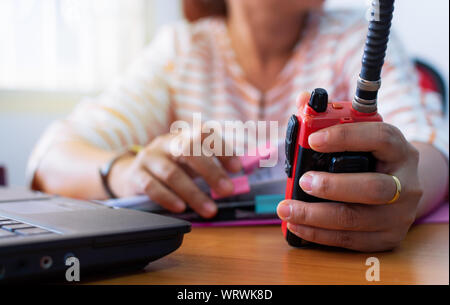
{"x": 240, "y": 186}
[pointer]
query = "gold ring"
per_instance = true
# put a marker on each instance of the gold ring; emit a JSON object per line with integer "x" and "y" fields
{"x": 135, "y": 149}
{"x": 398, "y": 190}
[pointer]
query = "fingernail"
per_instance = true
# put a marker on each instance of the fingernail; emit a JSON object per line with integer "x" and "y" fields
{"x": 306, "y": 182}
{"x": 235, "y": 165}
{"x": 210, "y": 208}
{"x": 180, "y": 205}
{"x": 226, "y": 185}
{"x": 284, "y": 210}
{"x": 318, "y": 139}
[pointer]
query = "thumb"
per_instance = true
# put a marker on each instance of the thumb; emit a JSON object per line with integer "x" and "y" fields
{"x": 302, "y": 99}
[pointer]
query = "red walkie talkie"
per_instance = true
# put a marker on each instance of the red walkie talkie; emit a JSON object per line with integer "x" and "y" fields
{"x": 319, "y": 113}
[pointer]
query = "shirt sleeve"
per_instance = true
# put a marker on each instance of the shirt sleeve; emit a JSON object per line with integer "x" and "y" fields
{"x": 401, "y": 101}
{"x": 133, "y": 110}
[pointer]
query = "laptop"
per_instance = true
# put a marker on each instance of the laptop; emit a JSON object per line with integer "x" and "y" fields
{"x": 44, "y": 236}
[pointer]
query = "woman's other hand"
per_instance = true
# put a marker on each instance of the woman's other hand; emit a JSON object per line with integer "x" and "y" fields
{"x": 168, "y": 180}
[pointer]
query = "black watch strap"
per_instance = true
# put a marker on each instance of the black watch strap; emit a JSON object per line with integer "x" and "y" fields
{"x": 105, "y": 170}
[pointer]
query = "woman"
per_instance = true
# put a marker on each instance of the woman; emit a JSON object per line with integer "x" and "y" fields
{"x": 249, "y": 63}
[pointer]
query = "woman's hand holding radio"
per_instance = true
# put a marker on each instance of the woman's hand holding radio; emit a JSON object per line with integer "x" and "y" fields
{"x": 361, "y": 218}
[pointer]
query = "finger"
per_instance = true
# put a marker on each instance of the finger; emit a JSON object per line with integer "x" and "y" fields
{"x": 188, "y": 170}
{"x": 385, "y": 141}
{"x": 230, "y": 163}
{"x": 334, "y": 216}
{"x": 224, "y": 152}
{"x": 216, "y": 146}
{"x": 359, "y": 241}
{"x": 177, "y": 180}
{"x": 212, "y": 172}
{"x": 367, "y": 188}
{"x": 145, "y": 183}
{"x": 302, "y": 99}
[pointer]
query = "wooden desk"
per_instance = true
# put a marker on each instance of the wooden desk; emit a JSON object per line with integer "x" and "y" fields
{"x": 259, "y": 255}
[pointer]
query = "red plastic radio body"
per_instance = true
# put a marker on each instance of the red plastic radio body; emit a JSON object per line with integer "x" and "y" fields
{"x": 300, "y": 158}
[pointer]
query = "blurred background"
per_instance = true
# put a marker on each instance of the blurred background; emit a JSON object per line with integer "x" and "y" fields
{"x": 53, "y": 52}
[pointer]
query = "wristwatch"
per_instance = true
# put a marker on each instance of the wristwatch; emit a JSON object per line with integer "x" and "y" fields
{"x": 105, "y": 170}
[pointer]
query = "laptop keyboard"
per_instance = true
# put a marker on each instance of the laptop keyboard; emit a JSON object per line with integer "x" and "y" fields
{"x": 12, "y": 228}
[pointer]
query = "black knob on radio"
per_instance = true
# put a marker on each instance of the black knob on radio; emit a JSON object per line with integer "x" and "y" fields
{"x": 319, "y": 100}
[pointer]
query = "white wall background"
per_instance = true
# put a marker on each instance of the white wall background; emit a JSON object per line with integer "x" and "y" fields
{"x": 17, "y": 139}
{"x": 25, "y": 115}
{"x": 422, "y": 25}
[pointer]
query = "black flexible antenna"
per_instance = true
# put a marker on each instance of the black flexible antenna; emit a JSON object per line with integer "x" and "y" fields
{"x": 369, "y": 81}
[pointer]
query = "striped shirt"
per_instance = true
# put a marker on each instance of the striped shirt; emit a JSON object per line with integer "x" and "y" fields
{"x": 191, "y": 67}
